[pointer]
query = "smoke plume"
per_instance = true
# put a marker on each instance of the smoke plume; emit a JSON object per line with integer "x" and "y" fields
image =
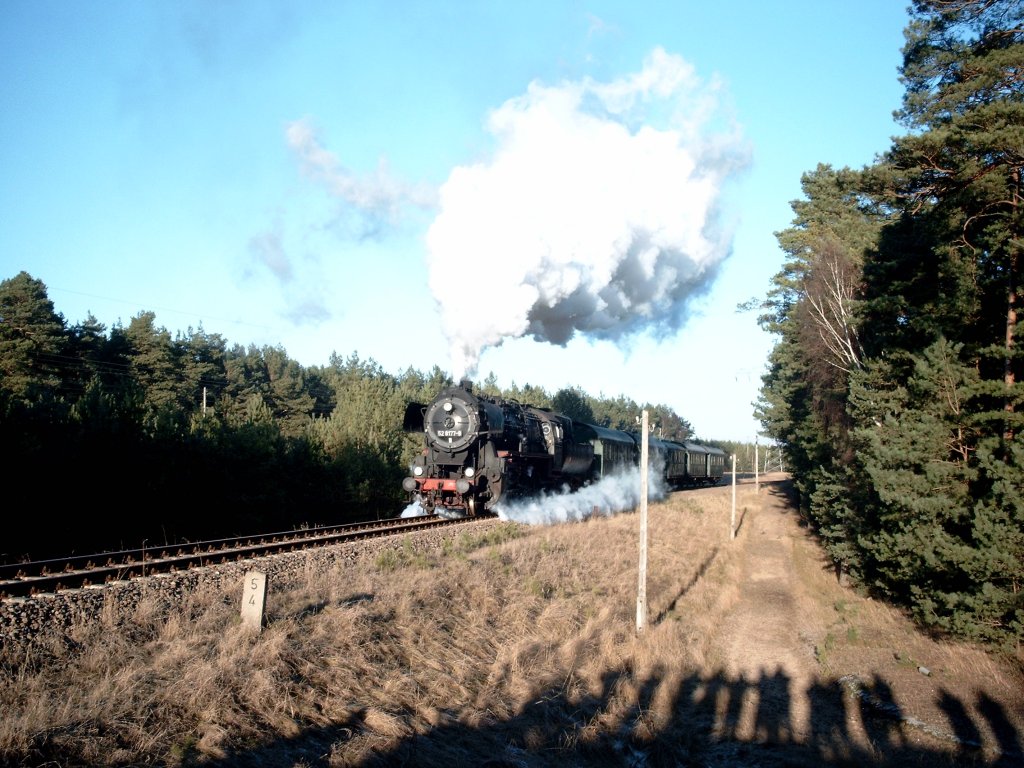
{"x": 377, "y": 199}
{"x": 596, "y": 213}
{"x": 608, "y": 496}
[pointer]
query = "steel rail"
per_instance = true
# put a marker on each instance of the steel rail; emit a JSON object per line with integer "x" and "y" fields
{"x": 49, "y": 576}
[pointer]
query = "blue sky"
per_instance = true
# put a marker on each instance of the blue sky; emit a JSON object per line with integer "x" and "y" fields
{"x": 561, "y": 193}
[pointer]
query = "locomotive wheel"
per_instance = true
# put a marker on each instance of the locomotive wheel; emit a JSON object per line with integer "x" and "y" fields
{"x": 471, "y": 505}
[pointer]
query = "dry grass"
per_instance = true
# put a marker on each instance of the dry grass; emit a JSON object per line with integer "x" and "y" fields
{"x": 513, "y": 647}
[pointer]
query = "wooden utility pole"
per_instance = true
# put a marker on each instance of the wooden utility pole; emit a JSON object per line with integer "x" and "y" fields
{"x": 641, "y": 597}
{"x": 757, "y": 477}
{"x": 732, "y": 518}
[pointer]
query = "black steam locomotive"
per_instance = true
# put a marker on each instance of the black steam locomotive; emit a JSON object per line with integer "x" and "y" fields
{"x": 480, "y": 451}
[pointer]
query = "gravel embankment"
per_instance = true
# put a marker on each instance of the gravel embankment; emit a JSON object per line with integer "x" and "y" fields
{"x": 26, "y": 621}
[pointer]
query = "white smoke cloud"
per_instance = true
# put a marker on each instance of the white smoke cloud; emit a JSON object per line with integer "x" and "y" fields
{"x": 597, "y": 213}
{"x": 379, "y": 197}
{"x": 608, "y": 496}
{"x": 268, "y": 250}
{"x": 413, "y": 510}
{"x": 303, "y": 296}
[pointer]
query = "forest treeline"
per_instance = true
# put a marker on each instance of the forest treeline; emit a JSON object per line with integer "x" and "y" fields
{"x": 894, "y": 387}
{"x": 129, "y": 435}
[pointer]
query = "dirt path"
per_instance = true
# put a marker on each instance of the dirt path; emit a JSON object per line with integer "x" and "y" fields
{"x": 816, "y": 671}
{"x": 762, "y": 637}
{"x": 768, "y": 651}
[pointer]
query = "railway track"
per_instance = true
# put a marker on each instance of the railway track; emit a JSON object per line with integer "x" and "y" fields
{"x": 79, "y": 571}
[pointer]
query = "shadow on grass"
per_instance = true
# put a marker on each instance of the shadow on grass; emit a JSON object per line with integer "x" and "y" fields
{"x": 690, "y": 585}
{"x": 713, "y": 721}
{"x": 785, "y": 488}
{"x": 739, "y": 523}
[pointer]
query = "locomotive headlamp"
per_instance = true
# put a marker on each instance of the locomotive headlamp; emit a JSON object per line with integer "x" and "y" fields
{"x": 462, "y": 485}
{"x": 418, "y": 471}
{"x": 470, "y": 471}
{"x": 448, "y": 407}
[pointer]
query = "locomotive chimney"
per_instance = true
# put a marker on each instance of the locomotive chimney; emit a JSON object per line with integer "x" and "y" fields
{"x": 466, "y": 384}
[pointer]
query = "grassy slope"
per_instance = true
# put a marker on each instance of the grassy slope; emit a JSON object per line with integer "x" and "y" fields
{"x": 515, "y": 646}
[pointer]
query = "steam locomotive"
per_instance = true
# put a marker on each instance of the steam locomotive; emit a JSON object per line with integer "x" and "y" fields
{"x": 480, "y": 451}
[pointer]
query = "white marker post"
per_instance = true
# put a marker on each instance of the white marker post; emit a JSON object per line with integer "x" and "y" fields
{"x": 641, "y": 597}
{"x": 254, "y": 599}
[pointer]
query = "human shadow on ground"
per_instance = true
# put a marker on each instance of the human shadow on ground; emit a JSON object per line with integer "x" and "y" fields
{"x": 666, "y": 719}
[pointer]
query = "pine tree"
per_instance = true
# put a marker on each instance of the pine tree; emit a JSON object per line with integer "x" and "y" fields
{"x": 203, "y": 369}
{"x": 32, "y": 340}
{"x": 155, "y": 367}
{"x": 288, "y": 396}
{"x": 814, "y": 307}
{"x": 961, "y": 165}
{"x": 940, "y": 443}
{"x": 894, "y": 385}
{"x": 572, "y": 402}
